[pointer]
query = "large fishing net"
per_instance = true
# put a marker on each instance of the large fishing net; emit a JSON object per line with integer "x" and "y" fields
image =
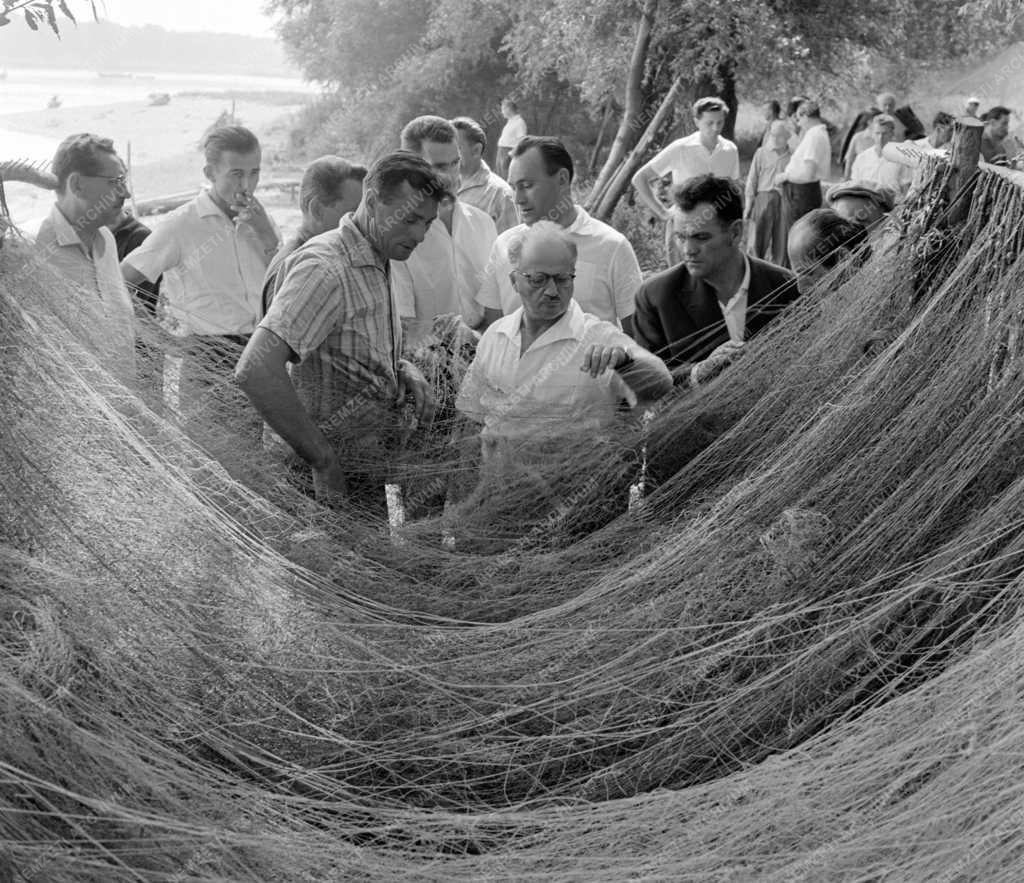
{"x": 797, "y": 656}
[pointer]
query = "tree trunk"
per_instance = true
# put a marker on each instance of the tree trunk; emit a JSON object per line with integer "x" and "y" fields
{"x": 606, "y": 116}
{"x": 618, "y": 182}
{"x": 632, "y": 120}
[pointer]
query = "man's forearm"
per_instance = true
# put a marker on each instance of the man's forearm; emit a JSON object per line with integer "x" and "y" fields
{"x": 647, "y": 376}
{"x": 273, "y": 396}
{"x": 642, "y": 185}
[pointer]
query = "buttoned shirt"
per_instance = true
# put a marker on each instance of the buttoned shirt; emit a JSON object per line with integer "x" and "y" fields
{"x": 542, "y": 392}
{"x": 102, "y": 309}
{"x": 212, "y": 269}
{"x": 872, "y": 167}
{"x": 489, "y": 192}
{"x": 734, "y": 311}
{"x": 444, "y": 272}
{"x": 607, "y": 272}
{"x": 765, "y": 165}
{"x": 512, "y": 131}
{"x": 333, "y": 307}
{"x": 814, "y": 145}
{"x": 687, "y": 157}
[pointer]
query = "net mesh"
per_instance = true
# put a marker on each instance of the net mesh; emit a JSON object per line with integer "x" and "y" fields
{"x": 799, "y": 659}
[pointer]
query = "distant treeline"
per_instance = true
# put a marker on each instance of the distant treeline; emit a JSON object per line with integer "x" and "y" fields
{"x": 104, "y": 46}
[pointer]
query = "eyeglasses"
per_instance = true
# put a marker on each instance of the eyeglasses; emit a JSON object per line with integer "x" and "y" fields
{"x": 119, "y": 181}
{"x": 540, "y": 280}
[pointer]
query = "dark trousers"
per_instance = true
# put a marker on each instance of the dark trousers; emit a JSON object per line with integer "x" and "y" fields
{"x": 797, "y": 201}
{"x": 769, "y": 229}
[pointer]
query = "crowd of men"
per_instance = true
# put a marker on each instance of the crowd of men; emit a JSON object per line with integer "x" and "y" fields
{"x": 429, "y": 243}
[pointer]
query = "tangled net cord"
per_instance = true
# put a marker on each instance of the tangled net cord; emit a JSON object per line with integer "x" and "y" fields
{"x": 798, "y": 660}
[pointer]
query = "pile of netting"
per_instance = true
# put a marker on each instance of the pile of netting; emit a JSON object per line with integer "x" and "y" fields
{"x": 799, "y": 659}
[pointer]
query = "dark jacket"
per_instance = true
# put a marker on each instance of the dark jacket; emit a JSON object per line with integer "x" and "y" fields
{"x": 679, "y": 319}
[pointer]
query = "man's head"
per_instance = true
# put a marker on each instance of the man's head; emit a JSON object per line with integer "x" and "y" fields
{"x": 997, "y": 122}
{"x": 942, "y": 128}
{"x": 794, "y": 105}
{"x": 509, "y": 108}
{"x": 541, "y": 174}
{"x": 971, "y": 108}
{"x": 883, "y": 129}
{"x": 778, "y": 135}
{"x": 771, "y": 110}
{"x": 543, "y": 259}
{"x": 434, "y": 139}
{"x": 818, "y": 241}
{"x": 709, "y": 114}
{"x": 331, "y": 188}
{"x": 862, "y": 202}
{"x": 400, "y": 196}
{"x": 91, "y": 182}
{"x": 808, "y": 114}
{"x": 885, "y": 102}
{"x": 707, "y": 223}
{"x": 472, "y": 143}
{"x": 232, "y": 155}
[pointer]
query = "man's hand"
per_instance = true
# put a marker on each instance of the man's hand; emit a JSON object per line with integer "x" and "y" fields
{"x": 412, "y": 383}
{"x": 720, "y": 358}
{"x": 249, "y": 210}
{"x": 599, "y": 358}
{"x": 329, "y": 483}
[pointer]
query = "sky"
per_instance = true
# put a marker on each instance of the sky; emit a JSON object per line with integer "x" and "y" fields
{"x": 227, "y": 16}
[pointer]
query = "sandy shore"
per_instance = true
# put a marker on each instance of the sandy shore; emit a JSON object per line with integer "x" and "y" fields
{"x": 164, "y": 142}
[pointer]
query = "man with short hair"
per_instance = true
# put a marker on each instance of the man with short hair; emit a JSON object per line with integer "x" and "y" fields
{"x": 871, "y": 166}
{"x": 997, "y": 127}
{"x": 442, "y": 277}
{"x": 549, "y": 368}
{"x": 334, "y": 316}
{"x": 703, "y": 152}
{"x": 331, "y": 187}
{"x": 941, "y": 136}
{"x": 607, "y": 272}
{"x": 480, "y": 186}
{"x": 886, "y": 103}
{"x": 697, "y": 315}
{"x": 762, "y": 200}
{"x": 511, "y": 133}
{"x": 809, "y": 165}
{"x": 772, "y": 112}
{"x": 75, "y": 240}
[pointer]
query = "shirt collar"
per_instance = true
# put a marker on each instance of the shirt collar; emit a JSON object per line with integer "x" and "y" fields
{"x": 205, "y": 206}
{"x": 363, "y": 251}
{"x": 741, "y": 292}
{"x": 582, "y": 220}
{"x": 571, "y": 325}
{"x": 64, "y": 233}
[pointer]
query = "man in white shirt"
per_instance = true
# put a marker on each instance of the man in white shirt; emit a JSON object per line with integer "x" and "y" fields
{"x": 442, "y": 276}
{"x": 941, "y": 137}
{"x": 480, "y": 186}
{"x": 213, "y": 253}
{"x": 607, "y": 272}
{"x": 513, "y": 131}
{"x": 810, "y": 164}
{"x": 705, "y": 152}
{"x": 874, "y": 168}
{"x": 550, "y": 369}
{"x": 75, "y": 241}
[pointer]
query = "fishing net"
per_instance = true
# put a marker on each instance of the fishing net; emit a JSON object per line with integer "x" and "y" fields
{"x": 797, "y": 656}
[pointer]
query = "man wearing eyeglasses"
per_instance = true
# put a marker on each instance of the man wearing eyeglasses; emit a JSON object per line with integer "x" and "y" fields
{"x": 548, "y": 368}
{"x": 75, "y": 241}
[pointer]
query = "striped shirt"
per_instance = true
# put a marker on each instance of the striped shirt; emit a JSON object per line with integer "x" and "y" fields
{"x": 334, "y": 308}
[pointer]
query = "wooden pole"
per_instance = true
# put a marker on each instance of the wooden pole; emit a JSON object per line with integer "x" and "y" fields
{"x": 967, "y": 132}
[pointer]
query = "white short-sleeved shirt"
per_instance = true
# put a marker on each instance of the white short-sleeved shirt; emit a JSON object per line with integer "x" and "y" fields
{"x": 687, "y": 157}
{"x": 97, "y": 278}
{"x": 607, "y": 272}
{"x": 871, "y": 166}
{"x": 212, "y": 269}
{"x": 815, "y": 145}
{"x": 492, "y": 194}
{"x": 543, "y": 392}
{"x": 444, "y": 272}
{"x": 513, "y": 130}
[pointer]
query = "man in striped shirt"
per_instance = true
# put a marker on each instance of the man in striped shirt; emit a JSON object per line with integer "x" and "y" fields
{"x": 334, "y": 315}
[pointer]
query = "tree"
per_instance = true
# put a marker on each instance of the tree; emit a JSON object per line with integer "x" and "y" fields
{"x": 36, "y": 12}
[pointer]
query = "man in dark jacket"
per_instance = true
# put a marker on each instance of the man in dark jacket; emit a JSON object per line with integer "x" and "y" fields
{"x": 698, "y": 314}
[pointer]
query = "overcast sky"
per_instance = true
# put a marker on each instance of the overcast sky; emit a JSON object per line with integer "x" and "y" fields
{"x": 228, "y": 16}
